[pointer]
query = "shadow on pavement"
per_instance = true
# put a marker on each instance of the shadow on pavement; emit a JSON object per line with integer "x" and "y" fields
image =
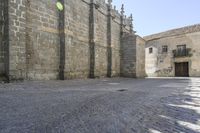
{"x": 180, "y": 112}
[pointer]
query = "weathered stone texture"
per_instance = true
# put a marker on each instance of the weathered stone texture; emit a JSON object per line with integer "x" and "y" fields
{"x": 101, "y": 42}
{"x": 133, "y": 56}
{"x": 128, "y": 55}
{"x": 140, "y": 57}
{"x": 163, "y": 64}
{"x": 151, "y": 59}
{"x": 77, "y": 39}
{"x": 35, "y": 41}
{"x": 115, "y": 48}
{"x": 34, "y": 32}
{"x": 17, "y": 43}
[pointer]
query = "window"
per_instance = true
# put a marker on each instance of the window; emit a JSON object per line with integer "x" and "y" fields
{"x": 164, "y": 49}
{"x": 181, "y": 47}
{"x": 181, "y": 50}
{"x": 150, "y": 50}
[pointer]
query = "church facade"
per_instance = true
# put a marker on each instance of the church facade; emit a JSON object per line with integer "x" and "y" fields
{"x": 67, "y": 39}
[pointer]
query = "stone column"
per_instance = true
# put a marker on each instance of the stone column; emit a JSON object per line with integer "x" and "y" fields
{"x": 6, "y": 40}
{"x": 121, "y": 38}
{"x": 62, "y": 40}
{"x": 92, "y": 39}
{"x": 109, "y": 40}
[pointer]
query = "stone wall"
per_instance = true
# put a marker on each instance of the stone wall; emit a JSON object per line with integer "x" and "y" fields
{"x": 151, "y": 59}
{"x": 116, "y": 46}
{"x": 92, "y": 39}
{"x": 128, "y": 67}
{"x": 77, "y": 39}
{"x": 140, "y": 57}
{"x": 17, "y": 41}
{"x": 34, "y": 39}
{"x": 133, "y": 56}
{"x": 101, "y": 41}
{"x": 163, "y": 64}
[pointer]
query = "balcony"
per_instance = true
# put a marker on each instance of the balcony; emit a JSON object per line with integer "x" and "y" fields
{"x": 182, "y": 53}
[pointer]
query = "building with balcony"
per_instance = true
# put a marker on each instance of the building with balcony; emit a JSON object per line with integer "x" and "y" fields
{"x": 174, "y": 53}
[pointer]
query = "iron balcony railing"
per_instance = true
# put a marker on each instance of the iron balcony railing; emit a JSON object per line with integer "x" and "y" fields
{"x": 182, "y": 53}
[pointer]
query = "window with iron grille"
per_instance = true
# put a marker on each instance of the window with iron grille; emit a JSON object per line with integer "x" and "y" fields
{"x": 164, "y": 49}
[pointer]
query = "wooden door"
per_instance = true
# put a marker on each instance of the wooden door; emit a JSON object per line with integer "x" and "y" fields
{"x": 181, "y": 69}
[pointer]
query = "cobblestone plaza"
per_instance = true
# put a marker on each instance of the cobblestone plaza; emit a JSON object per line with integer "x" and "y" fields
{"x": 117, "y": 105}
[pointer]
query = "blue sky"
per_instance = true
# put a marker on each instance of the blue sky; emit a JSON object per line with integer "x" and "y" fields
{"x": 153, "y": 16}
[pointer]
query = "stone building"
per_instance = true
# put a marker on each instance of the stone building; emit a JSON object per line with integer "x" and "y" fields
{"x": 174, "y": 53}
{"x": 88, "y": 38}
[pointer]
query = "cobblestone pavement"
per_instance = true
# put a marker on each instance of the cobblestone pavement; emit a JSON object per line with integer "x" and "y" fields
{"x": 116, "y": 105}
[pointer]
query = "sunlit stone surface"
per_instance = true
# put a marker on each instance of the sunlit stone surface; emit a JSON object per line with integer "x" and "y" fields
{"x": 101, "y": 106}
